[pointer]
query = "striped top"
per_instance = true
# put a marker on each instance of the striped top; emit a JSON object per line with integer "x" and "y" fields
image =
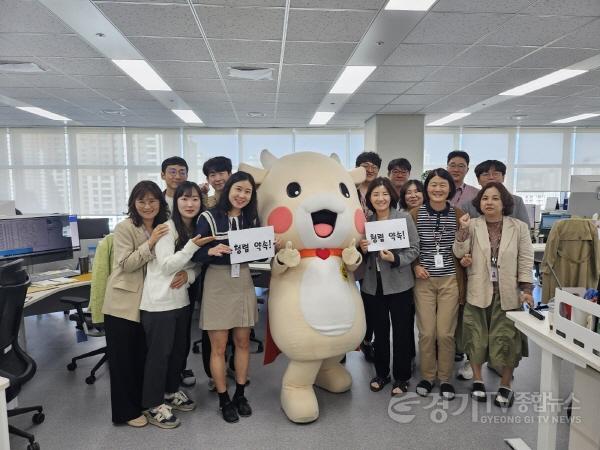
{"x": 436, "y": 228}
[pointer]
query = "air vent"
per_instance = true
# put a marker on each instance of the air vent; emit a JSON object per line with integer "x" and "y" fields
{"x": 251, "y": 73}
{"x": 20, "y": 67}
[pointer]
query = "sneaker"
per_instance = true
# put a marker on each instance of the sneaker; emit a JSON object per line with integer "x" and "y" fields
{"x": 242, "y": 406}
{"x": 162, "y": 417}
{"x": 188, "y": 378}
{"x": 458, "y": 357}
{"x": 424, "y": 388}
{"x": 138, "y": 422}
{"x": 465, "y": 372}
{"x": 229, "y": 413}
{"x": 212, "y": 387}
{"x": 447, "y": 391}
{"x": 368, "y": 351}
{"x": 180, "y": 401}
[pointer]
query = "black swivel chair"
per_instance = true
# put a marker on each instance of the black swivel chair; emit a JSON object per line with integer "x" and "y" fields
{"x": 15, "y": 365}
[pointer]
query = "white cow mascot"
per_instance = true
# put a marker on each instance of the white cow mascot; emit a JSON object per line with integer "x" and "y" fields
{"x": 315, "y": 310}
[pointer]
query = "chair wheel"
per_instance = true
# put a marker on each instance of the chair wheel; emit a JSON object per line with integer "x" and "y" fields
{"x": 91, "y": 379}
{"x": 33, "y": 446}
{"x": 196, "y": 349}
{"x": 72, "y": 366}
{"x": 38, "y": 418}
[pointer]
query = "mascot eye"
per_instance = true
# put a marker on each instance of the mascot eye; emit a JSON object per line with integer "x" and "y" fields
{"x": 344, "y": 190}
{"x": 293, "y": 190}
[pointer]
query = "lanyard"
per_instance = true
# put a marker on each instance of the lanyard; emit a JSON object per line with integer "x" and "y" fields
{"x": 437, "y": 240}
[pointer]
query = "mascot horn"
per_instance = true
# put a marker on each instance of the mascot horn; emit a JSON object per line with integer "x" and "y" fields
{"x": 315, "y": 310}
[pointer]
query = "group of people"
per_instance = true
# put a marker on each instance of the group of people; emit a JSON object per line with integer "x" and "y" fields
{"x": 469, "y": 261}
{"x": 170, "y": 251}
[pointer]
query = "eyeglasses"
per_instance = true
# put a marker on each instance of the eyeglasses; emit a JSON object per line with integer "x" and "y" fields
{"x": 370, "y": 167}
{"x": 400, "y": 172}
{"x": 493, "y": 174}
{"x": 175, "y": 172}
{"x": 457, "y": 166}
{"x": 144, "y": 203}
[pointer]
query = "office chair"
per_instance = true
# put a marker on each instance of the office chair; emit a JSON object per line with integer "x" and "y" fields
{"x": 83, "y": 323}
{"x": 15, "y": 365}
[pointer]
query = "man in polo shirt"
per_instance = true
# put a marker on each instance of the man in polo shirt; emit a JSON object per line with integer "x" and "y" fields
{"x": 458, "y": 166}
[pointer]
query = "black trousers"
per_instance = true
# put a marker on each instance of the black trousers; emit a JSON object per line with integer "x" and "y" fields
{"x": 398, "y": 308}
{"x": 126, "y": 352}
{"x": 368, "y": 315}
{"x": 195, "y": 295}
{"x": 165, "y": 338}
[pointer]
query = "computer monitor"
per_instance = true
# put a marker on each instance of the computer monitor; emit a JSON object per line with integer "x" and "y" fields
{"x": 38, "y": 235}
{"x": 7, "y": 207}
{"x": 95, "y": 228}
{"x": 532, "y": 209}
{"x": 584, "y": 199}
{"x": 548, "y": 220}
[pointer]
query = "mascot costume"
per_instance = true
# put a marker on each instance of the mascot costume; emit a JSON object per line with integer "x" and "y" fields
{"x": 316, "y": 314}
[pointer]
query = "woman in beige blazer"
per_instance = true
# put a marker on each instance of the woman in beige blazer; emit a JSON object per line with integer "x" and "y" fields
{"x": 133, "y": 244}
{"x": 497, "y": 251}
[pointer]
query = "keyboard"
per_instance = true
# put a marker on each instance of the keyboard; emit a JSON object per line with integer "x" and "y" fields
{"x": 65, "y": 273}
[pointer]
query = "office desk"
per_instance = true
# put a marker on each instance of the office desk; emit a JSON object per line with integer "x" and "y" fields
{"x": 4, "y": 440}
{"x": 554, "y": 350}
{"x": 48, "y": 301}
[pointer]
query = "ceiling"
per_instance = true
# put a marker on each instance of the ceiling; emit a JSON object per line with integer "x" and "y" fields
{"x": 456, "y": 55}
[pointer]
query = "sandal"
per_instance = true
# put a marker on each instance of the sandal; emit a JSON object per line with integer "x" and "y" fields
{"x": 504, "y": 398}
{"x": 478, "y": 392}
{"x": 447, "y": 391}
{"x": 378, "y": 383}
{"x": 399, "y": 388}
{"x": 424, "y": 388}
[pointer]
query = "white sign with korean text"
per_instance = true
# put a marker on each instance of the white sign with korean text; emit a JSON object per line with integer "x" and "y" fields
{"x": 387, "y": 234}
{"x": 251, "y": 244}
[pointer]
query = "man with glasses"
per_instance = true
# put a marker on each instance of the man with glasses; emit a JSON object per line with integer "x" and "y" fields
{"x": 399, "y": 173}
{"x": 458, "y": 166}
{"x": 174, "y": 171}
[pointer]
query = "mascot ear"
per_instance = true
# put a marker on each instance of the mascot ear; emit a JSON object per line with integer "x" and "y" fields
{"x": 257, "y": 173}
{"x": 267, "y": 159}
{"x": 358, "y": 174}
{"x": 335, "y": 157}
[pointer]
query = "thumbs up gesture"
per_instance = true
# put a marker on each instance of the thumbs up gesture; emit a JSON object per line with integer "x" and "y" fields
{"x": 288, "y": 256}
{"x": 350, "y": 255}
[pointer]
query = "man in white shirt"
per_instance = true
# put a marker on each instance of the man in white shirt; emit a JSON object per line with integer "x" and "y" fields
{"x": 217, "y": 171}
{"x": 173, "y": 171}
{"x": 458, "y": 166}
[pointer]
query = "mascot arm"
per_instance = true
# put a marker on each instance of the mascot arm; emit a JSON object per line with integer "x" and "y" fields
{"x": 285, "y": 258}
{"x": 351, "y": 256}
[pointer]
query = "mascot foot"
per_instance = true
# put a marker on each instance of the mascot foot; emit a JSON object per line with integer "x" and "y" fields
{"x": 299, "y": 403}
{"x": 334, "y": 377}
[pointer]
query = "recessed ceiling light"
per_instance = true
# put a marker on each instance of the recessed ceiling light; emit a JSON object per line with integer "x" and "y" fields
{"x": 321, "y": 118}
{"x": 140, "y": 71}
{"x": 518, "y": 116}
{"x": 256, "y": 115}
{"x": 409, "y": 5}
{"x": 187, "y": 115}
{"x": 351, "y": 79}
{"x": 545, "y": 81}
{"x": 576, "y": 118}
{"x": 447, "y": 119}
{"x": 42, "y": 112}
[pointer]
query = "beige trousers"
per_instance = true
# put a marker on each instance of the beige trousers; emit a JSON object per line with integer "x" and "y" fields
{"x": 436, "y": 301}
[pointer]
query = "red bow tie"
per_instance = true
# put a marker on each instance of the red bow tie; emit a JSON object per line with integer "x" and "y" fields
{"x": 322, "y": 253}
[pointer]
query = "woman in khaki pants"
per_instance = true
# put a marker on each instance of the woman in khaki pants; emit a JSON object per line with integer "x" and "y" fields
{"x": 439, "y": 284}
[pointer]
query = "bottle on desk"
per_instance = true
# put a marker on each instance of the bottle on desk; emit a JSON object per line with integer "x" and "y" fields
{"x": 91, "y": 254}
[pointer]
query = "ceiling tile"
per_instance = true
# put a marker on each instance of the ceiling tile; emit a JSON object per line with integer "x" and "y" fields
{"x": 185, "y": 69}
{"x": 360, "y": 108}
{"x": 83, "y": 66}
{"x": 252, "y": 97}
{"x": 203, "y": 96}
{"x": 128, "y": 94}
{"x": 401, "y": 73}
{"x": 300, "y": 98}
{"x": 19, "y": 16}
{"x": 310, "y": 73}
{"x": 490, "y": 56}
{"x": 255, "y": 52}
{"x": 318, "y": 87}
{"x": 255, "y": 87}
{"x": 108, "y": 82}
{"x": 300, "y": 107}
{"x": 534, "y": 30}
{"x": 382, "y": 87}
{"x": 584, "y": 37}
{"x": 423, "y": 55}
{"x": 372, "y": 99}
{"x": 339, "y": 4}
{"x": 454, "y": 28}
{"x": 399, "y": 109}
{"x": 259, "y": 3}
{"x": 489, "y": 6}
{"x": 454, "y": 103}
{"x": 172, "y": 48}
{"x": 464, "y": 74}
{"x": 195, "y": 84}
{"x": 554, "y": 58}
{"x": 69, "y": 46}
{"x": 516, "y": 76}
{"x": 562, "y": 8}
{"x": 434, "y": 87}
{"x": 317, "y": 52}
{"x": 165, "y": 20}
{"x": 328, "y": 26}
{"x": 242, "y": 23}
{"x": 416, "y": 99}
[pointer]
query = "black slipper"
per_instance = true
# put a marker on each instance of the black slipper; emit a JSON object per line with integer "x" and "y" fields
{"x": 402, "y": 386}
{"x": 478, "y": 392}
{"x": 424, "y": 388}
{"x": 379, "y": 382}
{"x": 504, "y": 398}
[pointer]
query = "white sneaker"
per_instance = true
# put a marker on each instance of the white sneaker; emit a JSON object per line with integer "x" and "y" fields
{"x": 180, "y": 401}
{"x": 162, "y": 417}
{"x": 465, "y": 372}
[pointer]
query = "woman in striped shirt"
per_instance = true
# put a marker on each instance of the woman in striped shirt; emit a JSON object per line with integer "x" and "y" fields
{"x": 439, "y": 283}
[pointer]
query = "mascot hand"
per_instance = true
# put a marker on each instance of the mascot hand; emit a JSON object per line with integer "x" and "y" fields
{"x": 350, "y": 255}
{"x": 288, "y": 256}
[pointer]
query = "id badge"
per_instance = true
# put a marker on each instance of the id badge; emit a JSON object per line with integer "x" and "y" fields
{"x": 494, "y": 274}
{"x": 235, "y": 271}
{"x": 438, "y": 261}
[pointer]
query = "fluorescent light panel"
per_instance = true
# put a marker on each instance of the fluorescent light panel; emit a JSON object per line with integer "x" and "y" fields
{"x": 321, "y": 118}
{"x": 545, "y": 81}
{"x": 187, "y": 115}
{"x": 409, "y": 5}
{"x": 42, "y": 112}
{"x": 142, "y": 73}
{"x": 351, "y": 79}
{"x": 449, "y": 118}
{"x": 576, "y": 118}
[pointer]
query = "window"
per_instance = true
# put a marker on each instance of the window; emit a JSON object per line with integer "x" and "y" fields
{"x": 200, "y": 146}
{"x": 586, "y": 148}
{"x": 532, "y": 144}
{"x": 437, "y": 146}
{"x": 324, "y": 142}
{"x": 279, "y": 143}
{"x": 357, "y": 146}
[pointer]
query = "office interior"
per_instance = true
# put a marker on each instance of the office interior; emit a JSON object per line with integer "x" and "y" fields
{"x": 94, "y": 94}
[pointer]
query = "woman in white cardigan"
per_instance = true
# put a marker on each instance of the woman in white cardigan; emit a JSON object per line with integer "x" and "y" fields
{"x": 497, "y": 251}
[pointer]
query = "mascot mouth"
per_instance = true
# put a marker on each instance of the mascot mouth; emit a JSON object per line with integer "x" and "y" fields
{"x": 324, "y": 222}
